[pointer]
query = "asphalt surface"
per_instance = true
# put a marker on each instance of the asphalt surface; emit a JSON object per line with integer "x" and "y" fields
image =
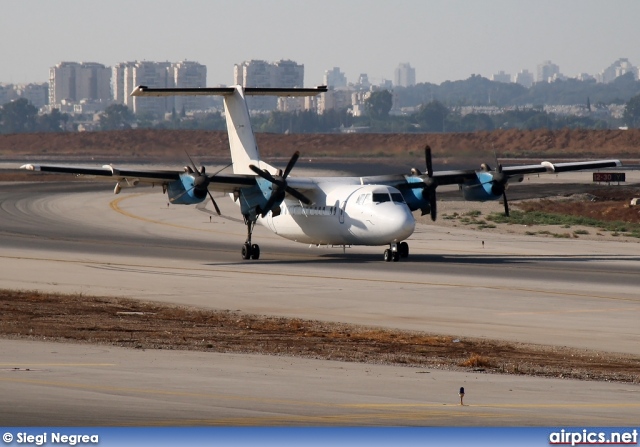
{"x": 81, "y": 238}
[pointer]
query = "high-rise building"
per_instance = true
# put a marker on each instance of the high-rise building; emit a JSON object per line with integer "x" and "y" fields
{"x": 122, "y": 82}
{"x": 258, "y": 73}
{"x": 619, "y": 68}
{"x": 188, "y": 74}
{"x": 334, "y": 78}
{"x": 128, "y": 75}
{"x": 405, "y": 75}
{"x": 524, "y": 78}
{"x": 75, "y": 81}
{"x": 7, "y": 93}
{"x": 548, "y": 72}
{"x": 501, "y": 76}
{"x": 154, "y": 75}
{"x": 363, "y": 82}
{"x": 36, "y": 94}
{"x": 287, "y": 73}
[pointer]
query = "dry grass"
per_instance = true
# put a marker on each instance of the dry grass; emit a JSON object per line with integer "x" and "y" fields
{"x": 476, "y": 361}
{"x": 145, "y": 325}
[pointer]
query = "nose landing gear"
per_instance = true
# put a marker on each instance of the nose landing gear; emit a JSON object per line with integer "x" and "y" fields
{"x": 396, "y": 251}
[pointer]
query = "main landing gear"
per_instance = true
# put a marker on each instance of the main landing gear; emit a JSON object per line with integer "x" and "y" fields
{"x": 249, "y": 250}
{"x": 396, "y": 251}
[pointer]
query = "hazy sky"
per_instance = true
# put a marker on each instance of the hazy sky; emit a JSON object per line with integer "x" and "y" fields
{"x": 441, "y": 39}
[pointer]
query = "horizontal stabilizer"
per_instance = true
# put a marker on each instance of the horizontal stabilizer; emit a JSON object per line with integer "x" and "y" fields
{"x": 143, "y": 90}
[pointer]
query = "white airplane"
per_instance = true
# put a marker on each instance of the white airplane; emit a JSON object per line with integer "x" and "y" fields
{"x": 337, "y": 211}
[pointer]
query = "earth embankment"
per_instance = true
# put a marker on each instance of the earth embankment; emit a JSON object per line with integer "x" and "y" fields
{"x": 171, "y": 144}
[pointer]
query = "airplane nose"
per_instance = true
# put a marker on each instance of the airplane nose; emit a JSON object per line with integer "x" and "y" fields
{"x": 402, "y": 222}
{"x": 408, "y": 224}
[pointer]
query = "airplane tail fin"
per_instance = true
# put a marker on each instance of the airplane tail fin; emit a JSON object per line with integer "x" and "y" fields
{"x": 242, "y": 141}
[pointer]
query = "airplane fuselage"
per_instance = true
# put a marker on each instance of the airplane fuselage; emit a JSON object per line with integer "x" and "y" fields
{"x": 344, "y": 214}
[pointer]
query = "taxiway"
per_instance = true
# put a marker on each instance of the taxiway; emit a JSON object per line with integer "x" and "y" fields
{"x": 80, "y": 238}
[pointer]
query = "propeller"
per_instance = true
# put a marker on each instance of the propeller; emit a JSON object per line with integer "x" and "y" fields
{"x": 499, "y": 184}
{"x": 430, "y": 184}
{"x": 279, "y": 182}
{"x": 201, "y": 183}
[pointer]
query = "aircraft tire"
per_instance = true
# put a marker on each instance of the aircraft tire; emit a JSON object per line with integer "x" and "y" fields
{"x": 387, "y": 255}
{"x": 255, "y": 251}
{"x": 395, "y": 256}
{"x": 403, "y": 249}
{"x": 246, "y": 251}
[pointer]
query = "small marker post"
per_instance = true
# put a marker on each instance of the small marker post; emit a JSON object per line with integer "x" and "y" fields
{"x": 461, "y": 394}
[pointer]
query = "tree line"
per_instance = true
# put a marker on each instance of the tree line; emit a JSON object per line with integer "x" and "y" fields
{"x": 432, "y": 115}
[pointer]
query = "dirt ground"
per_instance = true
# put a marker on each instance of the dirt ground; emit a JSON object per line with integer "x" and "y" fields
{"x": 169, "y": 145}
{"x": 143, "y": 325}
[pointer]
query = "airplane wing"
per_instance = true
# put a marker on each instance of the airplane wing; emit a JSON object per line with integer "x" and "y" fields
{"x": 218, "y": 182}
{"x": 419, "y": 190}
{"x": 545, "y": 167}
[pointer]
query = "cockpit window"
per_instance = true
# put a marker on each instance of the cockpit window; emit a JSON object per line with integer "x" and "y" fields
{"x": 397, "y": 197}
{"x": 379, "y": 197}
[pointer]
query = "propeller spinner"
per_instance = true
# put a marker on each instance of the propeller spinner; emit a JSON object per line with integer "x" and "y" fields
{"x": 201, "y": 183}
{"x": 498, "y": 183}
{"x": 280, "y": 186}
{"x": 428, "y": 185}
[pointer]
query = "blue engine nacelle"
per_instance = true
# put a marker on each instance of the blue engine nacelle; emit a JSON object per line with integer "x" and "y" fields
{"x": 416, "y": 198}
{"x": 254, "y": 200}
{"x": 484, "y": 187}
{"x": 182, "y": 192}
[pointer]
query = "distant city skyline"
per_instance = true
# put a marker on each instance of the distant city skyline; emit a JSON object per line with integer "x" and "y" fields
{"x": 441, "y": 39}
{"x": 547, "y": 71}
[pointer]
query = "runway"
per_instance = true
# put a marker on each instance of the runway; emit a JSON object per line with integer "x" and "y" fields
{"x": 81, "y": 238}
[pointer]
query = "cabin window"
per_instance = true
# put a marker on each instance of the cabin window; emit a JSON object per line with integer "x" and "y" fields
{"x": 380, "y": 197}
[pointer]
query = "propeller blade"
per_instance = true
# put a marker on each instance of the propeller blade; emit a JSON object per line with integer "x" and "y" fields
{"x": 195, "y": 169}
{"x": 413, "y": 185}
{"x": 219, "y": 171}
{"x": 180, "y": 195}
{"x": 298, "y": 195}
{"x": 291, "y": 163}
{"x": 269, "y": 205}
{"x": 215, "y": 205}
{"x": 280, "y": 182}
{"x": 433, "y": 204}
{"x": 506, "y": 204}
{"x": 262, "y": 173}
{"x": 427, "y": 156}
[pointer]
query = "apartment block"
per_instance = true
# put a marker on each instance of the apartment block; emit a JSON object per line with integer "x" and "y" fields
{"x": 404, "y": 75}
{"x": 501, "y": 76}
{"x": 334, "y": 78}
{"x": 619, "y": 68}
{"x": 524, "y": 78}
{"x": 187, "y": 74}
{"x": 548, "y": 72}
{"x": 259, "y": 73}
{"x": 74, "y": 81}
